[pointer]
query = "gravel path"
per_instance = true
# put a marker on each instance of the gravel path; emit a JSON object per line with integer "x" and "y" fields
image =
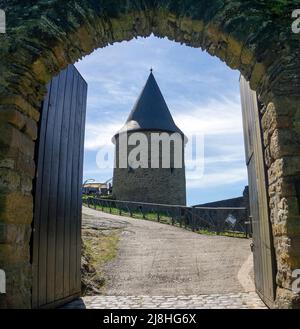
{"x": 160, "y": 260}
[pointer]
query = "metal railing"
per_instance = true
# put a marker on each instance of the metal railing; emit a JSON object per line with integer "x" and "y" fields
{"x": 225, "y": 221}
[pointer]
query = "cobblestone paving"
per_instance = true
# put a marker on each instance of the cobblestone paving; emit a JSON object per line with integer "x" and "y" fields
{"x": 214, "y": 301}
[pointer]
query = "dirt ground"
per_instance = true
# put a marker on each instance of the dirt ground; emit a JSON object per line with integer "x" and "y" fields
{"x": 157, "y": 259}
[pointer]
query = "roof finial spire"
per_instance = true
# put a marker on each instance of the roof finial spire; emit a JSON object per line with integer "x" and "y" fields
{"x": 151, "y": 70}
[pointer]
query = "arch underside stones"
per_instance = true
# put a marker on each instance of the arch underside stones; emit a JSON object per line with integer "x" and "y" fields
{"x": 254, "y": 37}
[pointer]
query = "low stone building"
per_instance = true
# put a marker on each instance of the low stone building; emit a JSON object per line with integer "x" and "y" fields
{"x": 95, "y": 188}
{"x": 149, "y": 158}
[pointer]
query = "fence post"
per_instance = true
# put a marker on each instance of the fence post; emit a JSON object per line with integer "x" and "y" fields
{"x": 144, "y": 216}
{"x": 158, "y": 217}
{"x": 193, "y": 224}
{"x": 218, "y": 228}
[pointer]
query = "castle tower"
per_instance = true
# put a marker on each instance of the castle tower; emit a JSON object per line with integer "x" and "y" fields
{"x": 149, "y": 153}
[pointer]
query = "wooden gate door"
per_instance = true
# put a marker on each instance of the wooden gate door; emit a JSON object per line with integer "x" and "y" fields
{"x": 263, "y": 249}
{"x": 56, "y": 245}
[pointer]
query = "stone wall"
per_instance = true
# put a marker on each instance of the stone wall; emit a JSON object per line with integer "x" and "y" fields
{"x": 253, "y": 36}
{"x": 17, "y": 133}
{"x": 242, "y": 202}
{"x": 280, "y": 121}
{"x": 150, "y": 185}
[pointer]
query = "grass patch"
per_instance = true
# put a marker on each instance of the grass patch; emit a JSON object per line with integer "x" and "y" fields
{"x": 229, "y": 234}
{"x": 98, "y": 248}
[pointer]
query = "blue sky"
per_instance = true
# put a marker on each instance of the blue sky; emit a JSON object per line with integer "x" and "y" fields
{"x": 202, "y": 94}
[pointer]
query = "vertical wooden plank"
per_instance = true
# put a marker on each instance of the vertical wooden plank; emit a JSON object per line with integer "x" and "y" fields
{"x": 248, "y": 120}
{"x": 45, "y": 195}
{"x": 79, "y": 202}
{"x": 255, "y": 224}
{"x": 266, "y": 243}
{"x": 68, "y": 204}
{"x": 62, "y": 178}
{"x": 38, "y": 191}
{"x": 53, "y": 189}
{"x": 75, "y": 182}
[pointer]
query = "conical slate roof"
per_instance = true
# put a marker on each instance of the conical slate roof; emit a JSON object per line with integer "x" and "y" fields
{"x": 150, "y": 111}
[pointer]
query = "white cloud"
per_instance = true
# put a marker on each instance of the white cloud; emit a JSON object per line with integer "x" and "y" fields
{"x": 225, "y": 158}
{"x": 99, "y": 134}
{"x": 216, "y": 117}
{"x": 227, "y": 176}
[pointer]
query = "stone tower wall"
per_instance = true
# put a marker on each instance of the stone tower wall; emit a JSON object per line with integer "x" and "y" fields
{"x": 151, "y": 185}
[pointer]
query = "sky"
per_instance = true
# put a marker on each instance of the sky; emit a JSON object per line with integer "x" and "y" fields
{"x": 202, "y": 94}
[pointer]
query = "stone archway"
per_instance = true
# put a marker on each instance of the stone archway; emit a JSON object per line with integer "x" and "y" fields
{"x": 254, "y": 37}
